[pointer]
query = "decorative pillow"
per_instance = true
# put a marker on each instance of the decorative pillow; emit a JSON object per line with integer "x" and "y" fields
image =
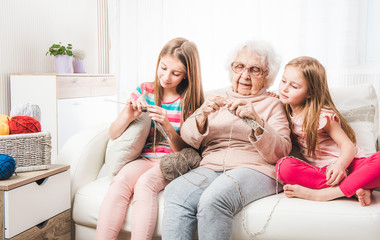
{"x": 362, "y": 121}
{"x": 129, "y": 145}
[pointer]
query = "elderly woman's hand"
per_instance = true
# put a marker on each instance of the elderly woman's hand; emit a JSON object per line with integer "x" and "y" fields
{"x": 245, "y": 108}
{"x": 212, "y": 104}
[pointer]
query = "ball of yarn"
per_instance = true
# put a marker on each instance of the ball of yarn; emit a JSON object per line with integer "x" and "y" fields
{"x": 27, "y": 109}
{"x": 7, "y": 166}
{"x": 4, "y": 128}
{"x": 4, "y": 119}
{"x": 24, "y": 124}
{"x": 178, "y": 163}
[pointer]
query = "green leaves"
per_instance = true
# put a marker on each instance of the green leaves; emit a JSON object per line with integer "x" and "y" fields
{"x": 58, "y": 49}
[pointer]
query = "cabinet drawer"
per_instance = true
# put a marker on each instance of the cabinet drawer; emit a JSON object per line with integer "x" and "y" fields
{"x": 58, "y": 227}
{"x": 75, "y": 87}
{"x": 103, "y": 86}
{"x": 36, "y": 202}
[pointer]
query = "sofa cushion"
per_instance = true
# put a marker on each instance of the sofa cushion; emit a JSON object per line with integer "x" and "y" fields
{"x": 362, "y": 121}
{"x": 88, "y": 200}
{"x": 128, "y": 146}
{"x": 359, "y": 105}
{"x": 292, "y": 219}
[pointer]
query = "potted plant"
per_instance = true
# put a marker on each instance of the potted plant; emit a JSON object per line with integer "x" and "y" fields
{"x": 78, "y": 62}
{"x": 63, "y": 57}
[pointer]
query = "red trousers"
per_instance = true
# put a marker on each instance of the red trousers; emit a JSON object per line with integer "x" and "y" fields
{"x": 362, "y": 173}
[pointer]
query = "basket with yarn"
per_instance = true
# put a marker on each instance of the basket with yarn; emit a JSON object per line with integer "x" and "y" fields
{"x": 21, "y": 138}
{"x": 7, "y": 166}
{"x": 25, "y": 118}
{"x": 176, "y": 164}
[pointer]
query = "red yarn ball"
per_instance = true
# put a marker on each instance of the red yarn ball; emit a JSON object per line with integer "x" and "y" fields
{"x": 23, "y": 124}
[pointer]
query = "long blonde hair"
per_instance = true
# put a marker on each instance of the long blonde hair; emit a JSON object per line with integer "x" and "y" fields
{"x": 319, "y": 97}
{"x": 190, "y": 89}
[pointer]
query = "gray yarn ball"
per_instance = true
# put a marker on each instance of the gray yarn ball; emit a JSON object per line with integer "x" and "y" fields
{"x": 27, "y": 109}
{"x": 178, "y": 163}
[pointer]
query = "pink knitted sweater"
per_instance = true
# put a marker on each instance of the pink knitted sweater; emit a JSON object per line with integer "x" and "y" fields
{"x": 244, "y": 151}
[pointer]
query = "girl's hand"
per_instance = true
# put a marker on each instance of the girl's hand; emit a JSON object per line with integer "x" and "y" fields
{"x": 159, "y": 114}
{"x": 133, "y": 108}
{"x": 336, "y": 172}
{"x": 212, "y": 104}
{"x": 273, "y": 94}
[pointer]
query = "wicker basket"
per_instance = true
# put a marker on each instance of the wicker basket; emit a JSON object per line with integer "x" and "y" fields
{"x": 30, "y": 151}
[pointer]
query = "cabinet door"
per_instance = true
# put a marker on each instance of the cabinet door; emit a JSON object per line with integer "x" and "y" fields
{"x": 77, "y": 114}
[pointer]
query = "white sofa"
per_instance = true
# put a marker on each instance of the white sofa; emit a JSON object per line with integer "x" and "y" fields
{"x": 292, "y": 219}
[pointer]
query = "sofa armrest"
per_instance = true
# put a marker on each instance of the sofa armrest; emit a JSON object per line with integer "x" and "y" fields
{"x": 85, "y": 153}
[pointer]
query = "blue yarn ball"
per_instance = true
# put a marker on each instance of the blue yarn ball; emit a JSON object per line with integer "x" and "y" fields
{"x": 7, "y": 166}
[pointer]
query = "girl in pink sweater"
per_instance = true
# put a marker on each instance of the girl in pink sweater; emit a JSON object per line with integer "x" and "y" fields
{"x": 336, "y": 166}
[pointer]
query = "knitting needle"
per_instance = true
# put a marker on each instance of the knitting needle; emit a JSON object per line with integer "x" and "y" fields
{"x": 143, "y": 108}
{"x": 247, "y": 119}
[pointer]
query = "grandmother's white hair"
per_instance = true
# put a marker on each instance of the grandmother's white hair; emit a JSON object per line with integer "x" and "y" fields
{"x": 270, "y": 60}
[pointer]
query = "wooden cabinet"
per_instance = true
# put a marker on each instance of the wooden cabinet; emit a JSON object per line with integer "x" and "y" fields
{"x": 36, "y": 205}
{"x": 68, "y": 102}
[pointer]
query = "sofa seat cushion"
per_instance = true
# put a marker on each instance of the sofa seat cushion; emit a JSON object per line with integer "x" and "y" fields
{"x": 87, "y": 203}
{"x": 292, "y": 219}
{"x": 296, "y": 218}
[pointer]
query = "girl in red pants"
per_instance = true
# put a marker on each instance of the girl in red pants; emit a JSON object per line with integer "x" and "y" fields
{"x": 335, "y": 166}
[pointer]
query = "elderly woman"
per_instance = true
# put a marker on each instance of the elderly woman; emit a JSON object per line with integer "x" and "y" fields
{"x": 238, "y": 159}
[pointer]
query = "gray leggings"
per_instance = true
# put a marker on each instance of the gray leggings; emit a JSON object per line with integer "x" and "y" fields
{"x": 209, "y": 200}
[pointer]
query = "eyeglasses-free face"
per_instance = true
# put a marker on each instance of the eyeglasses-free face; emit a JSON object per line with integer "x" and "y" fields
{"x": 254, "y": 71}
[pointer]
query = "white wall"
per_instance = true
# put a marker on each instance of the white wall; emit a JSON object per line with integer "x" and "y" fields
{"x": 340, "y": 33}
{"x": 30, "y": 27}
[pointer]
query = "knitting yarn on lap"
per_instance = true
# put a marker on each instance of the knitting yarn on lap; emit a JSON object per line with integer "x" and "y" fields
{"x": 178, "y": 163}
{"x": 24, "y": 124}
{"x": 7, "y": 166}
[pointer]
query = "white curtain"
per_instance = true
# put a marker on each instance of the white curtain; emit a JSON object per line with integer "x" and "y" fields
{"x": 340, "y": 33}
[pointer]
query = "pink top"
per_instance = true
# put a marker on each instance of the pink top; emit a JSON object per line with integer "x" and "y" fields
{"x": 327, "y": 150}
{"x": 220, "y": 150}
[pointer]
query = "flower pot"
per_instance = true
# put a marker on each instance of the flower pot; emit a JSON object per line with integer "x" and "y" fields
{"x": 63, "y": 63}
{"x": 79, "y": 66}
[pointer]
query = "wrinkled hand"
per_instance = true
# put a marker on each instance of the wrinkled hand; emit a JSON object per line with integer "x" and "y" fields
{"x": 159, "y": 114}
{"x": 212, "y": 104}
{"x": 335, "y": 174}
{"x": 243, "y": 109}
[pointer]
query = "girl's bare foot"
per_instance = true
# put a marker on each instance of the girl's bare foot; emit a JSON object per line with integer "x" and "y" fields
{"x": 324, "y": 194}
{"x": 364, "y": 196}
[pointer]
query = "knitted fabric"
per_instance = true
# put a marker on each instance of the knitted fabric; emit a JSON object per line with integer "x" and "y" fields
{"x": 24, "y": 124}
{"x": 178, "y": 163}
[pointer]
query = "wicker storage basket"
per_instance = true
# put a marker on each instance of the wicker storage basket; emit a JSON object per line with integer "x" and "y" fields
{"x": 30, "y": 151}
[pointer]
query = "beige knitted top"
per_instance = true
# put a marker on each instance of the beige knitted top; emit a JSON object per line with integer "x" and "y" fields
{"x": 244, "y": 151}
